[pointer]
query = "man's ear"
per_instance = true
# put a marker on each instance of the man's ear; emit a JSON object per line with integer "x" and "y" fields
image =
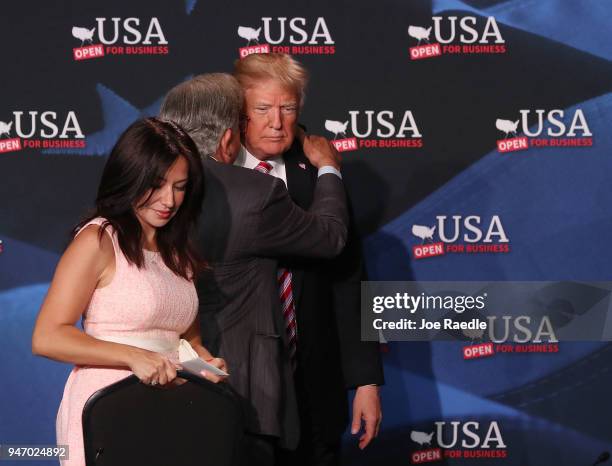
{"x": 223, "y": 153}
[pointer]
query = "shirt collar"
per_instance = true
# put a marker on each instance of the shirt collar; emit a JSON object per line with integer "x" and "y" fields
{"x": 247, "y": 160}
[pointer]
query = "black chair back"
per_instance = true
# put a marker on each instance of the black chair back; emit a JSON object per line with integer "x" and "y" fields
{"x": 196, "y": 423}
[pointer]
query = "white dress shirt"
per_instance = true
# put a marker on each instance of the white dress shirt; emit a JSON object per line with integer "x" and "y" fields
{"x": 247, "y": 160}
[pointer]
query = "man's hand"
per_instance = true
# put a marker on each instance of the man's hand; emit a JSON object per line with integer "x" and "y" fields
{"x": 366, "y": 407}
{"x": 319, "y": 151}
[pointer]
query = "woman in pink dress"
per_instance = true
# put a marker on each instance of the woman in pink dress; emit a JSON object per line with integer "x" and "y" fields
{"x": 129, "y": 274}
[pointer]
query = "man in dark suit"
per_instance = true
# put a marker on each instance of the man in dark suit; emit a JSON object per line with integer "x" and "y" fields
{"x": 330, "y": 356}
{"x": 248, "y": 219}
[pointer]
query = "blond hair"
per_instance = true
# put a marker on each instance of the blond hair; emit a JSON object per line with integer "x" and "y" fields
{"x": 278, "y": 66}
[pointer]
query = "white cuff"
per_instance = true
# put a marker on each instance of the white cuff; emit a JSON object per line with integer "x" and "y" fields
{"x": 329, "y": 169}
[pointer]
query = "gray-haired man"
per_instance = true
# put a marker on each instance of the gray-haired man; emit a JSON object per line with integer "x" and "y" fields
{"x": 248, "y": 219}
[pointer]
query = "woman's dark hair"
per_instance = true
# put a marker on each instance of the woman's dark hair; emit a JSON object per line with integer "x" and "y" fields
{"x": 140, "y": 159}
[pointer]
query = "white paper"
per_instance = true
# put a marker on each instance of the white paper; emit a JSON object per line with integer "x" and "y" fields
{"x": 190, "y": 360}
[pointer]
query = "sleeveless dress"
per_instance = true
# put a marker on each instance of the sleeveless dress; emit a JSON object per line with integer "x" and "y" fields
{"x": 151, "y": 304}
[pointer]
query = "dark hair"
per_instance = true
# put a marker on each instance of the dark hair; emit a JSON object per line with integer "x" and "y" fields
{"x": 141, "y": 157}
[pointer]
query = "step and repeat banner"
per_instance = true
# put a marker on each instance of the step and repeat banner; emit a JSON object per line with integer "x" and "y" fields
{"x": 476, "y": 147}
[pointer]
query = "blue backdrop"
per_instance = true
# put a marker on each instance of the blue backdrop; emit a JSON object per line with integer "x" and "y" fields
{"x": 553, "y": 202}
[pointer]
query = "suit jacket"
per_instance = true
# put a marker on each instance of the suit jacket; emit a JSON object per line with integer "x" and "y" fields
{"x": 248, "y": 219}
{"x": 327, "y": 292}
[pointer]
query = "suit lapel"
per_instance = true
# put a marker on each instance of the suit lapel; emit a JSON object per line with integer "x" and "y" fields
{"x": 301, "y": 178}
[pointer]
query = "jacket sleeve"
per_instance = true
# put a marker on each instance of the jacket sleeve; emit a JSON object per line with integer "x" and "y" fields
{"x": 361, "y": 360}
{"x": 286, "y": 229}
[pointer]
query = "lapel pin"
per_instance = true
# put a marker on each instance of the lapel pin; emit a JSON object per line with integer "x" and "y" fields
{"x": 302, "y": 165}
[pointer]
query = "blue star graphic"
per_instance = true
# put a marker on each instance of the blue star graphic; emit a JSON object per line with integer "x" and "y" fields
{"x": 117, "y": 114}
{"x": 190, "y": 5}
{"x": 560, "y": 21}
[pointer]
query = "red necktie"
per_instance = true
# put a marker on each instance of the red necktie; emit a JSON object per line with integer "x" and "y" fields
{"x": 286, "y": 291}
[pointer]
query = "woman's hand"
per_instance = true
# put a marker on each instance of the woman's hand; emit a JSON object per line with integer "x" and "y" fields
{"x": 151, "y": 368}
{"x": 217, "y": 362}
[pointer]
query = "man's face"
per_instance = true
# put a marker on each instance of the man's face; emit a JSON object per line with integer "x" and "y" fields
{"x": 272, "y": 111}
